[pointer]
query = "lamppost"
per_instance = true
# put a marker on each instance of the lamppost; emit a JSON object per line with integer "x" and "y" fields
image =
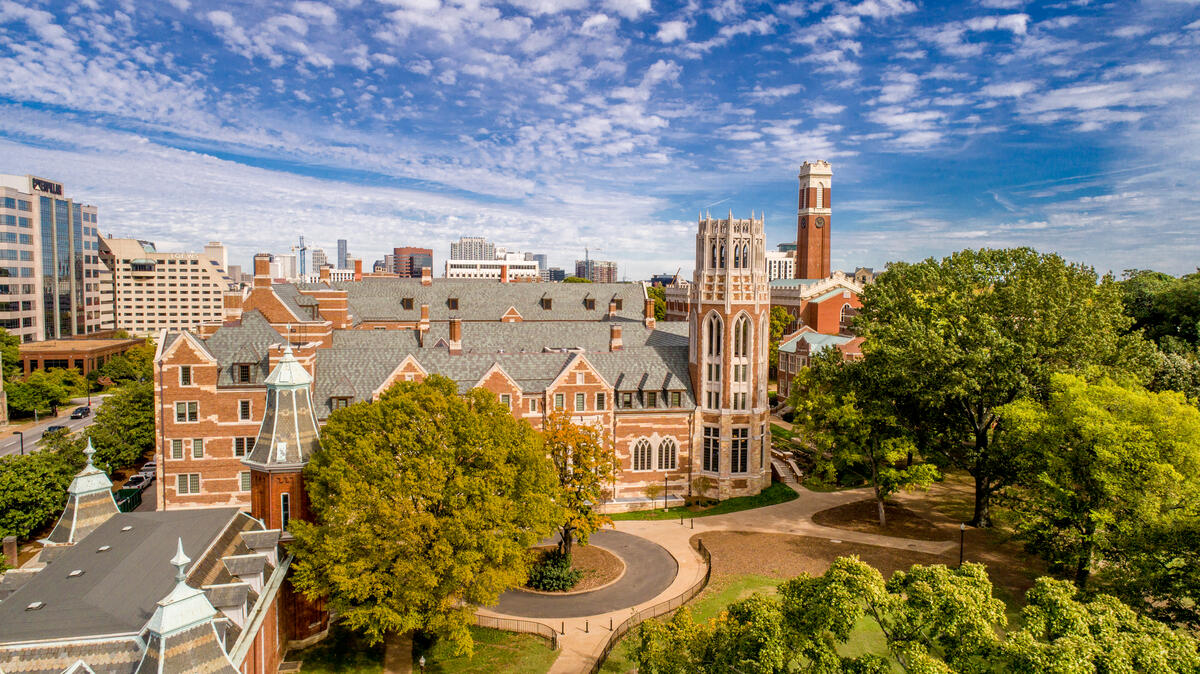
{"x": 21, "y": 434}
{"x": 665, "y": 492}
{"x": 421, "y": 662}
{"x": 962, "y": 537}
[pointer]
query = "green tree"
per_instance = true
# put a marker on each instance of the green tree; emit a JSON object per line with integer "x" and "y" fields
{"x": 136, "y": 364}
{"x": 845, "y": 414}
{"x": 1165, "y": 308}
{"x": 1102, "y": 463}
{"x": 576, "y": 279}
{"x": 957, "y": 338}
{"x": 10, "y": 355}
{"x": 780, "y": 319}
{"x": 124, "y": 426}
{"x": 33, "y": 487}
{"x": 659, "y": 295}
{"x": 1177, "y": 372}
{"x": 44, "y": 390}
{"x": 585, "y": 464}
{"x": 425, "y": 504}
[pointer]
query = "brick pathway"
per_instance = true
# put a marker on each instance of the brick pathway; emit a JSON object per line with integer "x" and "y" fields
{"x": 584, "y": 637}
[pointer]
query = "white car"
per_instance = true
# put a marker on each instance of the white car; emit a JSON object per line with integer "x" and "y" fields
{"x": 149, "y": 469}
{"x": 138, "y": 481}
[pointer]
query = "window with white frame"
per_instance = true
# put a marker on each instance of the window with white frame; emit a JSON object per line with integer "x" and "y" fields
{"x": 580, "y": 402}
{"x": 641, "y": 455}
{"x": 667, "y": 452}
{"x": 185, "y": 375}
{"x": 560, "y": 401}
{"x": 601, "y": 401}
{"x": 177, "y": 449}
{"x": 244, "y": 480}
{"x": 187, "y": 411}
{"x": 506, "y": 400}
{"x": 187, "y": 483}
{"x": 197, "y": 448}
{"x": 533, "y": 404}
{"x": 244, "y": 410}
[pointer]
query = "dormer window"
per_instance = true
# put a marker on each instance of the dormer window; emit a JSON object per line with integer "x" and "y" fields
{"x": 651, "y": 398}
{"x": 407, "y": 303}
{"x": 547, "y": 303}
{"x": 589, "y": 304}
{"x": 627, "y": 400}
{"x": 241, "y": 373}
{"x": 340, "y": 402}
{"x": 452, "y": 303}
{"x": 617, "y": 301}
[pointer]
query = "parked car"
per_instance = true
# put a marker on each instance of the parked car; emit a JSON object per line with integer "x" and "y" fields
{"x": 51, "y": 429}
{"x": 138, "y": 481}
{"x": 148, "y": 468}
{"x": 81, "y": 412}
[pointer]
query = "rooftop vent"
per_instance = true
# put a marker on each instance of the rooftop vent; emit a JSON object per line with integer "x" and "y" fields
{"x": 75, "y": 574}
{"x": 35, "y": 606}
{"x": 126, "y": 528}
{"x": 104, "y": 548}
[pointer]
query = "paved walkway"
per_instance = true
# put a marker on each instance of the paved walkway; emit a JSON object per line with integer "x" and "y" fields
{"x": 584, "y": 636}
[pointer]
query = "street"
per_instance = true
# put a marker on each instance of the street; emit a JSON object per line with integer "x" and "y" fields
{"x": 11, "y": 444}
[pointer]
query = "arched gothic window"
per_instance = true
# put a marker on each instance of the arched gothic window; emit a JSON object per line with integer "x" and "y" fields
{"x": 745, "y": 255}
{"x": 741, "y": 337}
{"x": 666, "y": 454}
{"x": 715, "y": 335}
{"x": 722, "y": 260}
{"x": 641, "y": 455}
{"x": 820, "y": 194}
{"x": 737, "y": 256}
{"x": 714, "y": 256}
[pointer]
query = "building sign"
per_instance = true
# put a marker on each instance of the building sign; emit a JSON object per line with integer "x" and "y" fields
{"x": 46, "y": 186}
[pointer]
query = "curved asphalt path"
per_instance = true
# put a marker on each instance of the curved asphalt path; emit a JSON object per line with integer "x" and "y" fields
{"x": 649, "y": 569}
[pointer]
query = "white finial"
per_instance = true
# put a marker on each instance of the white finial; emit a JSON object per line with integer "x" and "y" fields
{"x": 89, "y": 451}
{"x": 179, "y": 561}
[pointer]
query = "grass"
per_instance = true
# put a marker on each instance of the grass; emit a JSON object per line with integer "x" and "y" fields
{"x": 776, "y": 493}
{"x": 344, "y": 651}
{"x": 781, "y": 434}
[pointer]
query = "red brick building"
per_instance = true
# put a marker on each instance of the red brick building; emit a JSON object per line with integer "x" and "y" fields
{"x": 592, "y": 349}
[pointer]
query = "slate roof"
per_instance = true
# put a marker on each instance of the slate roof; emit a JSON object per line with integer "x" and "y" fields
{"x": 243, "y": 343}
{"x": 120, "y": 587}
{"x": 381, "y": 299}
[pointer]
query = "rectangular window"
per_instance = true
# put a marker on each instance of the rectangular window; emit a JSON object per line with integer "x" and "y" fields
{"x": 177, "y": 449}
{"x": 187, "y": 483}
{"x": 244, "y": 480}
{"x": 186, "y": 411}
{"x": 506, "y": 400}
{"x": 601, "y": 401}
{"x": 452, "y": 303}
{"x": 407, "y": 303}
{"x": 242, "y": 446}
{"x": 627, "y": 400}
{"x": 339, "y": 403}
{"x": 712, "y": 449}
{"x": 285, "y": 510}
{"x": 560, "y": 401}
{"x": 241, "y": 373}
{"x": 580, "y": 402}
{"x": 676, "y": 399}
{"x": 243, "y": 410}
{"x": 185, "y": 375}
{"x": 533, "y": 405}
{"x": 739, "y": 450}
{"x": 198, "y": 448}
{"x": 651, "y": 398}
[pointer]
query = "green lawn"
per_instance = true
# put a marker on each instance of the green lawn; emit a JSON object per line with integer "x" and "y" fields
{"x": 495, "y": 651}
{"x": 776, "y": 493}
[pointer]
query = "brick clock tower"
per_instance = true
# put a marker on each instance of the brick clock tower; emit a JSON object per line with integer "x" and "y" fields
{"x": 728, "y": 324}
{"x": 813, "y": 223}
{"x": 286, "y": 440}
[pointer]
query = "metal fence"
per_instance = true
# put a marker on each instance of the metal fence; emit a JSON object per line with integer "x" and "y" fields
{"x": 655, "y": 611}
{"x": 525, "y": 626}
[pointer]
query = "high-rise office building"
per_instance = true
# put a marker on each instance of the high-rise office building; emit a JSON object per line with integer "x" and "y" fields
{"x": 553, "y": 274}
{"x": 318, "y": 260}
{"x": 52, "y": 283}
{"x": 780, "y": 264}
{"x": 154, "y": 290}
{"x": 597, "y": 271}
{"x": 235, "y": 273}
{"x": 343, "y": 255}
{"x": 542, "y": 259}
{"x": 214, "y": 251}
{"x": 408, "y": 262}
{"x": 285, "y": 267}
{"x": 472, "y": 248}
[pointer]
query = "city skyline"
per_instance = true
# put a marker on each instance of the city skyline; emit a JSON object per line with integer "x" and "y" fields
{"x": 610, "y": 126}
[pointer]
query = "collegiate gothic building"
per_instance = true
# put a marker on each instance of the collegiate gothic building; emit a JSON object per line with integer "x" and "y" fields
{"x": 677, "y": 400}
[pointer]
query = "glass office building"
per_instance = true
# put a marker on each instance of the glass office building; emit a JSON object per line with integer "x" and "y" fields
{"x": 51, "y": 278}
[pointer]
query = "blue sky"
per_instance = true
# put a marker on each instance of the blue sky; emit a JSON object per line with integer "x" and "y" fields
{"x": 554, "y": 125}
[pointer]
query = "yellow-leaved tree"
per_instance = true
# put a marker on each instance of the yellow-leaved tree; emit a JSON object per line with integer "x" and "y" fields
{"x": 586, "y": 464}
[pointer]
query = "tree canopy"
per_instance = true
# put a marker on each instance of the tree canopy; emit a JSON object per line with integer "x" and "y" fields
{"x": 933, "y": 619}
{"x": 957, "y": 338}
{"x": 44, "y": 390}
{"x": 585, "y": 464}
{"x": 10, "y": 354}
{"x": 124, "y": 425}
{"x": 659, "y": 295}
{"x": 780, "y": 320}
{"x": 1166, "y": 308}
{"x": 33, "y": 487}
{"x": 425, "y": 504}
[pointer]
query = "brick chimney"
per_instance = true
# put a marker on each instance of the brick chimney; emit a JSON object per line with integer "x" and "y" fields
{"x": 504, "y": 273}
{"x": 455, "y": 336}
{"x": 614, "y": 337}
{"x": 426, "y": 276}
{"x": 325, "y": 274}
{"x": 648, "y": 313}
{"x": 262, "y": 270}
{"x": 231, "y": 304}
{"x": 423, "y": 325}
{"x": 612, "y": 308}
{"x": 358, "y": 270}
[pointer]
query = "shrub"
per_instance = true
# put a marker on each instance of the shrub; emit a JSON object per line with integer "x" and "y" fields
{"x": 553, "y": 573}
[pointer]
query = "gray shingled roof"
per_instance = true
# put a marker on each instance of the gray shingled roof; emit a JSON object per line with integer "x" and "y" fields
{"x": 244, "y": 342}
{"x": 381, "y": 299}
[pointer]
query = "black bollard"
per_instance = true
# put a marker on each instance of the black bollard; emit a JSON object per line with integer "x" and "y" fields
{"x": 585, "y": 627}
{"x": 563, "y": 627}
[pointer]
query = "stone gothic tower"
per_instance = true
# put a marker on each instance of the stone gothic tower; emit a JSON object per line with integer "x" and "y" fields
{"x": 813, "y": 223}
{"x": 728, "y": 327}
{"x": 286, "y": 441}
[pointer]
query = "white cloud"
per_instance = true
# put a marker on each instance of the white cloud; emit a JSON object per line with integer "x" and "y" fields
{"x": 672, "y": 31}
{"x": 1014, "y": 89}
{"x": 316, "y": 10}
{"x": 772, "y": 94}
{"x": 630, "y": 9}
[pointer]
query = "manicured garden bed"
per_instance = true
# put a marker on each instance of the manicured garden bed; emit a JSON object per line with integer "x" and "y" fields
{"x": 776, "y": 493}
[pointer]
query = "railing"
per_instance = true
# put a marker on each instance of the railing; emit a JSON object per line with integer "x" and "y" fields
{"x": 524, "y": 626}
{"x": 655, "y": 611}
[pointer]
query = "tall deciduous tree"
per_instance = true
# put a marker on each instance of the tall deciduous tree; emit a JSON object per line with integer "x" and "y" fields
{"x": 959, "y": 337}
{"x": 10, "y": 354}
{"x": 586, "y": 464}
{"x": 44, "y": 390}
{"x": 1103, "y": 464}
{"x": 426, "y": 503}
{"x": 33, "y": 487}
{"x": 124, "y": 426}
{"x": 780, "y": 319}
{"x": 845, "y": 414}
{"x": 1166, "y": 308}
